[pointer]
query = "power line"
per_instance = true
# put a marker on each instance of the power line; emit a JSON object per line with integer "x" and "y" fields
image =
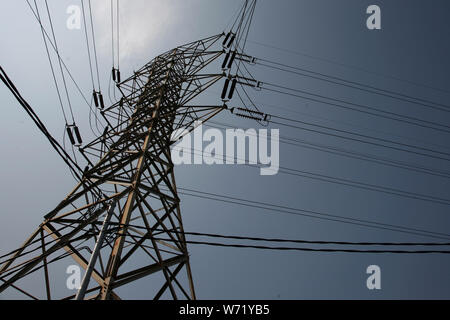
{"x": 361, "y": 141}
{"x": 217, "y": 244}
{"x": 112, "y": 33}
{"x": 293, "y": 109}
{"x": 50, "y": 62}
{"x": 353, "y": 133}
{"x": 93, "y": 41}
{"x": 346, "y": 182}
{"x": 350, "y": 154}
{"x": 362, "y": 135}
{"x": 118, "y": 35}
{"x": 115, "y": 72}
{"x": 61, "y": 152}
{"x": 87, "y": 45}
{"x": 275, "y": 208}
{"x": 238, "y": 31}
{"x": 59, "y": 61}
{"x": 73, "y": 165}
{"x": 348, "y": 66}
{"x": 247, "y": 26}
{"x": 265, "y": 239}
{"x": 236, "y": 18}
{"x": 355, "y": 85}
{"x": 59, "y": 57}
{"x": 357, "y": 139}
{"x": 346, "y": 105}
{"x": 255, "y": 105}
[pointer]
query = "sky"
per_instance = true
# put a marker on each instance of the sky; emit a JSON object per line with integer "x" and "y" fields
{"x": 409, "y": 55}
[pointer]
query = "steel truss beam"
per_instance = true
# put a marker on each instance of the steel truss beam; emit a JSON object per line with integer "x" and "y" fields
{"x": 129, "y": 164}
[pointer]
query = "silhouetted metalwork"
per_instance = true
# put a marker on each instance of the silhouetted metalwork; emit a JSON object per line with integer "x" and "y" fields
{"x": 129, "y": 165}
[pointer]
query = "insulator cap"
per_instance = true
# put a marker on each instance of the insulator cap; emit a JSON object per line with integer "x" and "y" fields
{"x": 86, "y": 169}
{"x": 233, "y": 86}
{"x": 231, "y": 41}
{"x": 69, "y": 133}
{"x": 95, "y": 98}
{"x": 224, "y": 64}
{"x": 100, "y": 97}
{"x": 225, "y": 88}
{"x": 105, "y": 131}
{"x": 226, "y": 38}
{"x": 78, "y": 135}
{"x": 232, "y": 59}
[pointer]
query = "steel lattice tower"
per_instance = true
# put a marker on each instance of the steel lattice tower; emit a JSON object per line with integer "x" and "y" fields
{"x": 128, "y": 188}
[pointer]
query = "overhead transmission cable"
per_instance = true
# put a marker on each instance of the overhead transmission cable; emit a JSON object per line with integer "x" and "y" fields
{"x": 217, "y": 244}
{"x": 348, "y": 153}
{"x": 94, "y": 45}
{"x": 395, "y": 145}
{"x": 278, "y": 248}
{"x": 304, "y": 241}
{"x": 49, "y": 40}
{"x": 71, "y": 129}
{"x": 231, "y": 44}
{"x": 358, "y": 107}
{"x": 50, "y": 62}
{"x": 87, "y": 45}
{"x": 246, "y": 31}
{"x": 115, "y": 72}
{"x": 59, "y": 61}
{"x": 294, "y": 109}
{"x": 362, "y": 135}
{"x": 275, "y": 208}
{"x": 73, "y": 126}
{"x": 96, "y": 94}
{"x": 343, "y": 181}
{"x": 73, "y": 166}
{"x": 310, "y": 56}
{"x": 360, "y": 140}
{"x": 234, "y": 18}
{"x": 118, "y": 40}
{"x": 97, "y": 97}
{"x": 338, "y": 245}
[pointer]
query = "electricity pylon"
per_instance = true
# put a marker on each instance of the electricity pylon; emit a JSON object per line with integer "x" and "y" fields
{"x": 126, "y": 203}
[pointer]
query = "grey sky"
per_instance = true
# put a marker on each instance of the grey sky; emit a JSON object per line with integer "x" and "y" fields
{"x": 327, "y": 36}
